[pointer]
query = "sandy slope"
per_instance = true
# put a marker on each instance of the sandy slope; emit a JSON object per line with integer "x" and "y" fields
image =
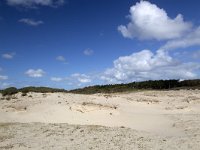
{"x": 139, "y": 120}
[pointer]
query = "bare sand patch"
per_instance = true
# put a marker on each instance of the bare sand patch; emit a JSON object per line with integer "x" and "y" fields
{"x": 153, "y": 115}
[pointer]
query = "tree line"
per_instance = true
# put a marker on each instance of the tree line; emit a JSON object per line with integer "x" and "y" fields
{"x": 112, "y": 88}
{"x": 151, "y": 84}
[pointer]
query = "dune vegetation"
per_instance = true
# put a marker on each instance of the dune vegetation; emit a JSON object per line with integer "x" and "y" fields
{"x": 113, "y": 88}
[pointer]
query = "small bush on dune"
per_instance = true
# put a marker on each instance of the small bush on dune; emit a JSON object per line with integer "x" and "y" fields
{"x": 40, "y": 89}
{"x": 9, "y": 91}
{"x": 8, "y": 98}
{"x": 24, "y": 94}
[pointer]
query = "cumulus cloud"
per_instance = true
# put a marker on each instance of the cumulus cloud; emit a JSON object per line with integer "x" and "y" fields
{"x": 75, "y": 80}
{"x": 191, "y": 39}
{"x": 145, "y": 65}
{"x": 31, "y": 22}
{"x": 3, "y": 77}
{"x": 35, "y": 3}
{"x": 88, "y": 52}
{"x": 35, "y": 73}
{"x": 82, "y": 78}
{"x": 56, "y": 79}
{"x": 151, "y": 22}
{"x": 8, "y": 55}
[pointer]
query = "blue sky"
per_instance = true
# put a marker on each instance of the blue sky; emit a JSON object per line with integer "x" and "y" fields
{"x": 75, "y": 43}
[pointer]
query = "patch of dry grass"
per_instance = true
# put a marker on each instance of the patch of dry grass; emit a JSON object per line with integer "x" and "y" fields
{"x": 99, "y": 105}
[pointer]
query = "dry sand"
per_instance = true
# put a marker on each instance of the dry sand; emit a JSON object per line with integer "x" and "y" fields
{"x": 140, "y": 120}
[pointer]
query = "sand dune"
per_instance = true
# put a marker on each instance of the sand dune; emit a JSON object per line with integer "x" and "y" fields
{"x": 172, "y": 116}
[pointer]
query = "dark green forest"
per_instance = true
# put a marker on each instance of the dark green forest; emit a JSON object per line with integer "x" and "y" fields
{"x": 144, "y": 85}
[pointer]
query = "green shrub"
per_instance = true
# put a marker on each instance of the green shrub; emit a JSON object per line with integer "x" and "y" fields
{"x": 40, "y": 89}
{"x": 9, "y": 91}
{"x": 24, "y": 94}
{"x": 8, "y": 98}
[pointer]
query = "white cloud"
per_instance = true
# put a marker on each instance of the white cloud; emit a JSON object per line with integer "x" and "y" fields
{"x": 56, "y": 79}
{"x": 145, "y": 65}
{"x": 191, "y": 39}
{"x": 74, "y": 80}
{"x": 8, "y": 55}
{"x": 82, "y": 78}
{"x": 3, "y": 77}
{"x": 88, "y": 52}
{"x": 35, "y": 73}
{"x": 31, "y": 22}
{"x": 61, "y": 58}
{"x": 35, "y": 3}
{"x": 150, "y": 22}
